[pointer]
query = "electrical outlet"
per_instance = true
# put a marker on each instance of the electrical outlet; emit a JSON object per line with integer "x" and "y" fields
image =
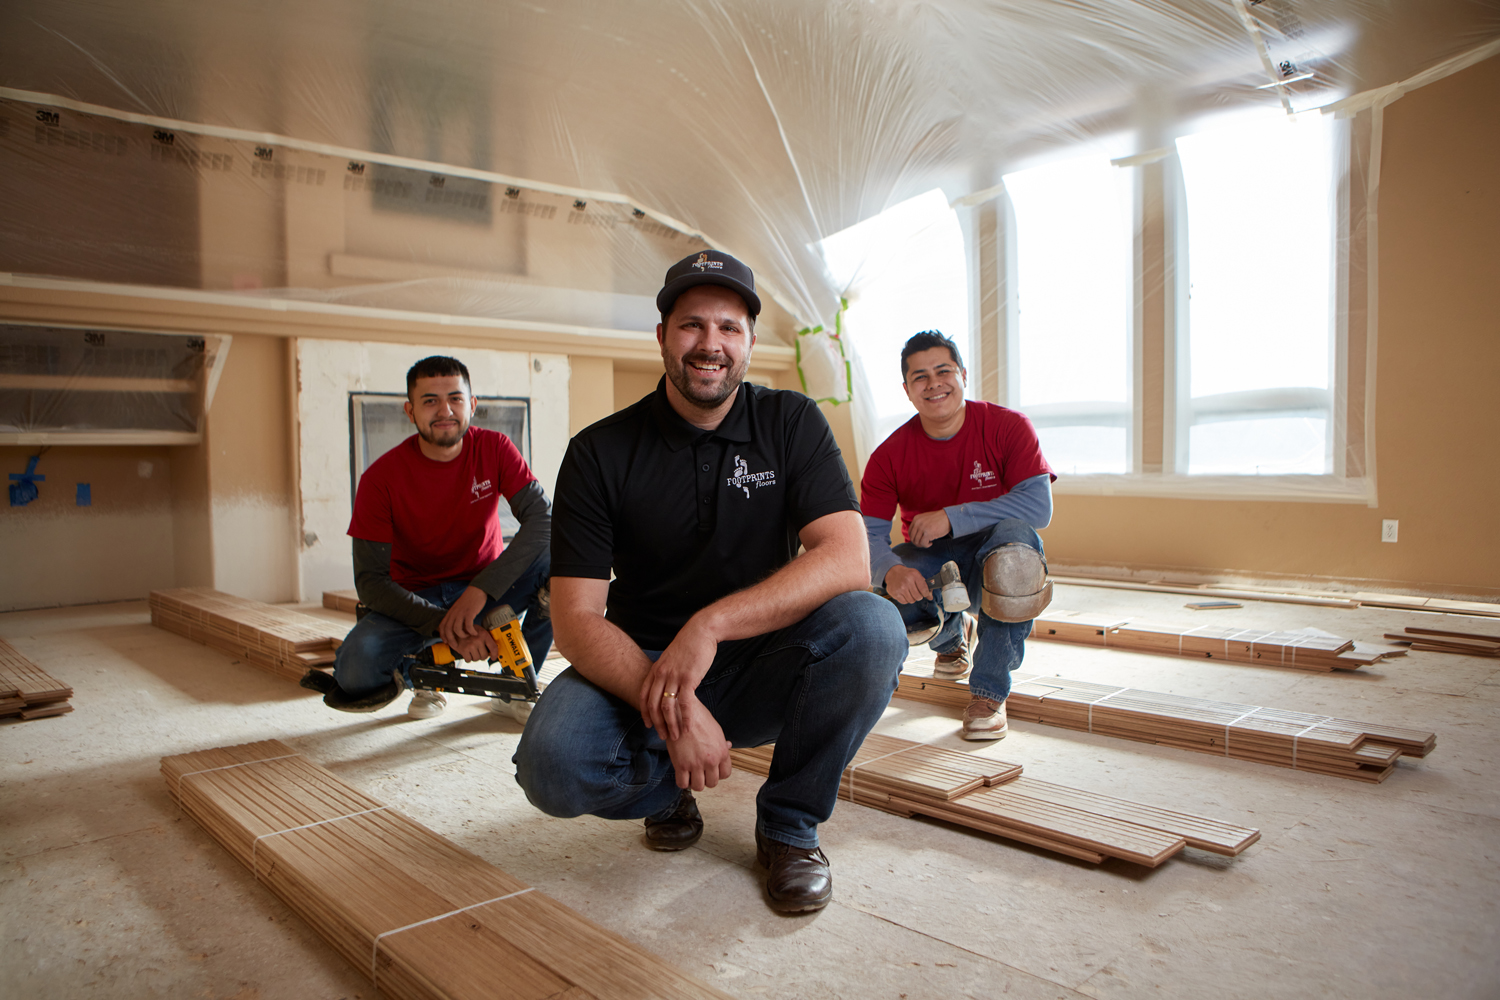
{"x": 1388, "y": 530}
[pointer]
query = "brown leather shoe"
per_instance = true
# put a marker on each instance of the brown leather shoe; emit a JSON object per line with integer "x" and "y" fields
{"x": 958, "y": 663}
{"x": 984, "y": 719}
{"x": 797, "y": 879}
{"x": 679, "y": 830}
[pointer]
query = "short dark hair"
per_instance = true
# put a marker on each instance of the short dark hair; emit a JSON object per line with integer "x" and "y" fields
{"x": 926, "y": 341}
{"x": 437, "y": 366}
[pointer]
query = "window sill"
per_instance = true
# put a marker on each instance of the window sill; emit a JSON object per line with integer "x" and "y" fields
{"x": 1300, "y": 489}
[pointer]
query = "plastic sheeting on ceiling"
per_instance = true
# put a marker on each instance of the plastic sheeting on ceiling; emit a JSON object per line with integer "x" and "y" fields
{"x": 765, "y": 127}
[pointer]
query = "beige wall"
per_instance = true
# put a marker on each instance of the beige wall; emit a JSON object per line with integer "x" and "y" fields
{"x": 250, "y": 473}
{"x": 56, "y": 552}
{"x": 1437, "y": 394}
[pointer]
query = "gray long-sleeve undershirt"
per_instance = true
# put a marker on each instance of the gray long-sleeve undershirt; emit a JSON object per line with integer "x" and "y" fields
{"x": 372, "y": 565}
{"x": 1030, "y": 500}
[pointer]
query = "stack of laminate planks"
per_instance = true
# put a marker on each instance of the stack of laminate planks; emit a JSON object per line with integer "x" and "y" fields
{"x": 1324, "y": 598}
{"x": 27, "y": 690}
{"x": 279, "y": 640}
{"x": 1298, "y": 740}
{"x": 1433, "y": 640}
{"x": 420, "y": 915}
{"x": 1304, "y": 649}
{"x": 341, "y": 600}
{"x": 909, "y": 778}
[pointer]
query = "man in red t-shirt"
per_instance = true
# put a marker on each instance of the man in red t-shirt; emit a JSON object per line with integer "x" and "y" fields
{"x": 973, "y": 488}
{"x": 429, "y": 561}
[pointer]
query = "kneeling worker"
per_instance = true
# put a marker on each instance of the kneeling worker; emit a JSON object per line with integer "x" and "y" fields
{"x": 429, "y": 561}
{"x": 715, "y": 631}
{"x": 973, "y": 489}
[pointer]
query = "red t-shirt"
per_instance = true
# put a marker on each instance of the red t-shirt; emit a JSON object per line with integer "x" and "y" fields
{"x": 994, "y": 450}
{"x": 442, "y": 519}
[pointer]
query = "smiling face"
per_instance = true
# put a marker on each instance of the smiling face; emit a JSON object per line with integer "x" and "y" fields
{"x": 935, "y": 385}
{"x": 705, "y": 345}
{"x": 440, "y": 406}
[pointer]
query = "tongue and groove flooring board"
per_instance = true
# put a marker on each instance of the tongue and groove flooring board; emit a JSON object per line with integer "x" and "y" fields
{"x": 28, "y": 691}
{"x": 278, "y": 640}
{"x": 908, "y": 778}
{"x": 422, "y": 917}
{"x": 1322, "y": 598}
{"x": 1299, "y": 740}
{"x": 1304, "y": 649}
{"x": 341, "y": 600}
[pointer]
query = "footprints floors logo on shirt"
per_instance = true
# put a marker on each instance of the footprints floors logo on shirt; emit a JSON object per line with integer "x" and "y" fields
{"x": 481, "y": 490}
{"x": 743, "y": 478}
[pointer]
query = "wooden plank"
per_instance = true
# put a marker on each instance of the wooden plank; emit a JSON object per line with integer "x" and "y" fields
{"x": 1299, "y": 740}
{"x": 897, "y": 776}
{"x": 420, "y": 915}
{"x": 281, "y": 641}
{"x": 341, "y": 600}
{"x": 28, "y": 691}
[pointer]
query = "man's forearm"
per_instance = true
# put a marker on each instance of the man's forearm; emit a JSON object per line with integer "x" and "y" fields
{"x": 1030, "y": 501}
{"x": 836, "y": 560}
{"x": 378, "y": 592}
{"x": 532, "y": 509}
{"x": 882, "y": 558}
{"x": 595, "y": 646}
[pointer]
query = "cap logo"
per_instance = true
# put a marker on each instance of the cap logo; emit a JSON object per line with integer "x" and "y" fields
{"x": 703, "y": 262}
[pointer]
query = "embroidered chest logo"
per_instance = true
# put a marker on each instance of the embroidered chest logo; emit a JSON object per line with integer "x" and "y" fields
{"x": 982, "y": 477}
{"x": 481, "y": 490}
{"x": 743, "y": 478}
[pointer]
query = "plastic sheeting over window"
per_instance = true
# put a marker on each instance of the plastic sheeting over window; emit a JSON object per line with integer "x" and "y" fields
{"x": 543, "y": 163}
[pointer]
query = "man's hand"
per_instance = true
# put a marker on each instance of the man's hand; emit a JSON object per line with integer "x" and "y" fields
{"x": 478, "y": 649}
{"x": 673, "y": 678}
{"x": 906, "y": 586}
{"x": 929, "y": 527}
{"x": 700, "y": 754}
{"x": 459, "y": 631}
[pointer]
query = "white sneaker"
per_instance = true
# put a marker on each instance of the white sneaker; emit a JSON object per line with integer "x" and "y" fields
{"x": 426, "y": 704}
{"x": 517, "y": 708}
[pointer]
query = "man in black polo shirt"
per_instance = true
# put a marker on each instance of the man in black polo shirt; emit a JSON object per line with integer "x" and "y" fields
{"x": 715, "y": 631}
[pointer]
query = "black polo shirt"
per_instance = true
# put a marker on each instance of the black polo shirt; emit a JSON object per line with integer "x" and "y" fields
{"x": 685, "y": 516}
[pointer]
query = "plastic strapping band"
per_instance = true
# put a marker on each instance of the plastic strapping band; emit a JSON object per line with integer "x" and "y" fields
{"x": 1231, "y": 638}
{"x": 855, "y": 767}
{"x": 1293, "y": 647}
{"x": 1183, "y": 635}
{"x": 1315, "y": 725}
{"x": 375, "y": 945}
{"x": 255, "y": 847}
{"x": 1097, "y": 701}
{"x": 226, "y": 767}
{"x": 1234, "y": 723}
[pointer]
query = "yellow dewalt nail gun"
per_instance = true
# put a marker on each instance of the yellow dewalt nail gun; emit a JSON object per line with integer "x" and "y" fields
{"x": 436, "y": 667}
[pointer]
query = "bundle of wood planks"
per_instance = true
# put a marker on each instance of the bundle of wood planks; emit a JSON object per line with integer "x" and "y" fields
{"x": 909, "y": 778}
{"x": 1298, "y": 740}
{"x": 1322, "y": 598}
{"x": 279, "y": 640}
{"x": 1304, "y": 649}
{"x": 341, "y": 600}
{"x": 1433, "y": 640}
{"x": 420, "y": 915}
{"x": 27, "y": 690}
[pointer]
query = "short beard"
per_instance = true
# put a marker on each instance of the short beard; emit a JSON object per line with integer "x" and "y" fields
{"x": 677, "y": 372}
{"x": 443, "y": 442}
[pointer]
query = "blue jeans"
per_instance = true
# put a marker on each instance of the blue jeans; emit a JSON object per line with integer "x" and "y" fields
{"x": 1001, "y": 645}
{"x": 378, "y": 645}
{"x": 815, "y": 689}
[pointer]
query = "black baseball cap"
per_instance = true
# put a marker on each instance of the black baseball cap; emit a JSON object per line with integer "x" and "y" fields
{"x": 708, "y": 267}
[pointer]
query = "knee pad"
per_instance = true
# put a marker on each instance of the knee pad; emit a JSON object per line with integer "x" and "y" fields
{"x": 1016, "y": 588}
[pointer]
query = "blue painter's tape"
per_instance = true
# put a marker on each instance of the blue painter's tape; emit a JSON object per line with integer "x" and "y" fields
{"x": 85, "y": 495}
{"x": 23, "y": 484}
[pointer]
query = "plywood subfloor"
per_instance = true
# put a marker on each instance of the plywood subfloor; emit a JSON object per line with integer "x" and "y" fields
{"x": 1362, "y": 890}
